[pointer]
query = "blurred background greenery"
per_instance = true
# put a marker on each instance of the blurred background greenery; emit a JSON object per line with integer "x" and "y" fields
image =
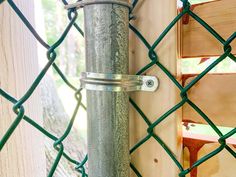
{"x": 71, "y": 52}
{"x": 71, "y": 55}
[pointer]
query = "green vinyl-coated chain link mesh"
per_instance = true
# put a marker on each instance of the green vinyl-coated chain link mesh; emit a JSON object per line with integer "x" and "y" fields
{"x": 154, "y": 62}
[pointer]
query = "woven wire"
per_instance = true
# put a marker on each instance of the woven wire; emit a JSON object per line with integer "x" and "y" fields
{"x": 154, "y": 62}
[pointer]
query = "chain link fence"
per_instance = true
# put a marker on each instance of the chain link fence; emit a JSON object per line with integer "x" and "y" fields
{"x": 18, "y": 107}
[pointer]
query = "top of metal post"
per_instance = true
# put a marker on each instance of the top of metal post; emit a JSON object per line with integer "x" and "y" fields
{"x": 81, "y": 4}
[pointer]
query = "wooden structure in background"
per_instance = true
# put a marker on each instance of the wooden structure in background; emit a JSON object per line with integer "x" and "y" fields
{"x": 222, "y": 165}
{"x": 196, "y": 41}
{"x": 23, "y": 155}
{"x": 150, "y": 159}
{"x": 214, "y": 93}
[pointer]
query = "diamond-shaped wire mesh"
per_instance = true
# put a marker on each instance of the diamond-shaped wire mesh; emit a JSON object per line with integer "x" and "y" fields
{"x": 154, "y": 62}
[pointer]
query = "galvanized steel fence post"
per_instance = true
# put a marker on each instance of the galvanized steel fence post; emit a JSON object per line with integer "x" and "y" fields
{"x": 106, "y": 36}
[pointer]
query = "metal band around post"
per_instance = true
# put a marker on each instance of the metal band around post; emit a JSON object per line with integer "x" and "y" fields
{"x": 81, "y": 4}
{"x": 118, "y": 82}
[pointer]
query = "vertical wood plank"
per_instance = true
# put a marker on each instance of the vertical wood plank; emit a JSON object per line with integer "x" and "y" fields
{"x": 23, "y": 155}
{"x": 151, "y": 160}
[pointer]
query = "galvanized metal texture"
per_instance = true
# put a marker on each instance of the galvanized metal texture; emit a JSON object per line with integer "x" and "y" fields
{"x": 81, "y": 4}
{"x": 106, "y": 38}
{"x": 118, "y": 82}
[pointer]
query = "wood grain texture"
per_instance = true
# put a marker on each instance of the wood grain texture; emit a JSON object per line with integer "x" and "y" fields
{"x": 151, "y": 160}
{"x": 197, "y": 41}
{"x": 23, "y": 155}
{"x": 215, "y": 95}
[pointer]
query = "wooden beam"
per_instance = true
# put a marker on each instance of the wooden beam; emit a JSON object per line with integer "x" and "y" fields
{"x": 23, "y": 155}
{"x": 196, "y": 41}
{"x": 151, "y": 160}
{"x": 215, "y": 95}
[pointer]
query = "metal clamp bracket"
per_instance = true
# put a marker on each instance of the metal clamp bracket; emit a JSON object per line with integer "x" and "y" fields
{"x": 81, "y": 4}
{"x": 118, "y": 82}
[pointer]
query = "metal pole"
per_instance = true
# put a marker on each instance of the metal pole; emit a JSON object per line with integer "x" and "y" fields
{"x": 106, "y": 36}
